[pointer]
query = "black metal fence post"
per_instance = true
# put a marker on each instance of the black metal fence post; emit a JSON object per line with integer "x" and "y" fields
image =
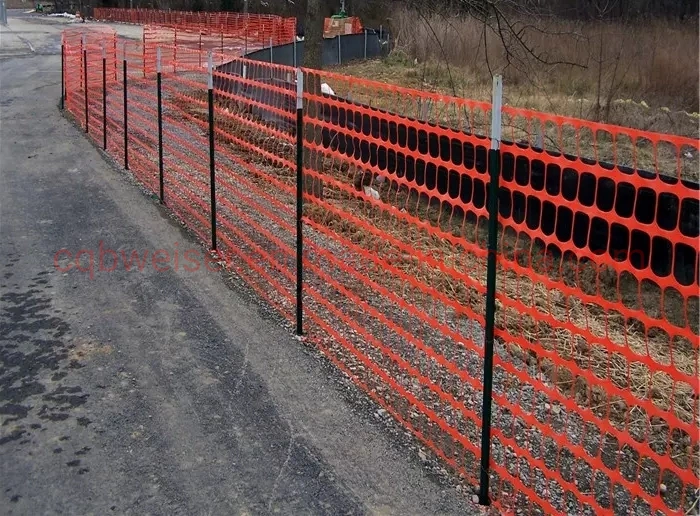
{"x": 63, "y": 76}
{"x": 104, "y": 97}
{"x": 212, "y": 163}
{"x": 494, "y": 172}
{"x": 82, "y": 46}
{"x": 160, "y": 125}
{"x": 115, "y": 57}
{"x": 143, "y": 54}
{"x": 126, "y": 123}
{"x": 300, "y": 200}
{"x": 85, "y": 76}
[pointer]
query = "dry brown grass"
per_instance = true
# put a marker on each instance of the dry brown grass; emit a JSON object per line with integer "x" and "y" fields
{"x": 612, "y": 145}
{"x": 652, "y": 86}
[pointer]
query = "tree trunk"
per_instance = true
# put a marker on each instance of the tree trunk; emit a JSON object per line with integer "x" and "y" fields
{"x": 313, "y": 35}
{"x": 599, "y": 84}
{"x": 313, "y": 48}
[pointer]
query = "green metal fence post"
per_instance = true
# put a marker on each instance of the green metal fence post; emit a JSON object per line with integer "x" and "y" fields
{"x": 494, "y": 172}
{"x": 300, "y": 200}
{"x": 104, "y": 97}
{"x": 160, "y": 124}
{"x": 212, "y": 162}
{"x": 85, "y": 74}
{"x": 126, "y": 119}
{"x": 63, "y": 76}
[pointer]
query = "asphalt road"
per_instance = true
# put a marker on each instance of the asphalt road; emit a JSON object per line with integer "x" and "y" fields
{"x": 150, "y": 391}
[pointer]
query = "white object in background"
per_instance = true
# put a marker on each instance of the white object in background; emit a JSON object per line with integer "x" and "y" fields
{"x": 326, "y": 89}
{"x": 371, "y": 192}
{"x": 380, "y": 179}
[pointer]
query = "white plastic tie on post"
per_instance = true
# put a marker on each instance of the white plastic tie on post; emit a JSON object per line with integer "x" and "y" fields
{"x": 300, "y": 89}
{"x": 210, "y": 79}
{"x": 496, "y": 105}
{"x": 245, "y": 70}
{"x": 158, "y": 60}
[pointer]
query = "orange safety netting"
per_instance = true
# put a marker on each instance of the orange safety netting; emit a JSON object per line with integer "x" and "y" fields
{"x": 258, "y": 29}
{"x": 598, "y": 304}
{"x": 169, "y": 40}
{"x": 595, "y": 404}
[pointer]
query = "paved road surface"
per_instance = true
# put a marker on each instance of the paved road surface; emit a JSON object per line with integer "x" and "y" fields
{"x": 147, "y": 392}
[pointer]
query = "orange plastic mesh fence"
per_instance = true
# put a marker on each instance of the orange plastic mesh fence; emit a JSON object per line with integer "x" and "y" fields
{"x": 255, "y": 131}
{"x": 400, "y": 266}
{"x": 257, "y": 29}
{"x": 596, "y": 368}
{"x": 169, "y": 40}
{"x": 597, "y": 318}
{"x": 86, "y": 54}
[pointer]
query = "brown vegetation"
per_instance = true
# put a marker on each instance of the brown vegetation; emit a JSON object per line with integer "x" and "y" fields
{"x": 644, "y": 72}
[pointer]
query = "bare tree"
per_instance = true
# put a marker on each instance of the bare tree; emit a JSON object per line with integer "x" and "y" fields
{"x": 313, "y": 35}
{"x": 610, "y": 67}
{"x": 313, "y": 60}
{"x": 504, "y": 19}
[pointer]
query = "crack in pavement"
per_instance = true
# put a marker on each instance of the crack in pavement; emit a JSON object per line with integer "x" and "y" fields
{"x": 275, "y": 484}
